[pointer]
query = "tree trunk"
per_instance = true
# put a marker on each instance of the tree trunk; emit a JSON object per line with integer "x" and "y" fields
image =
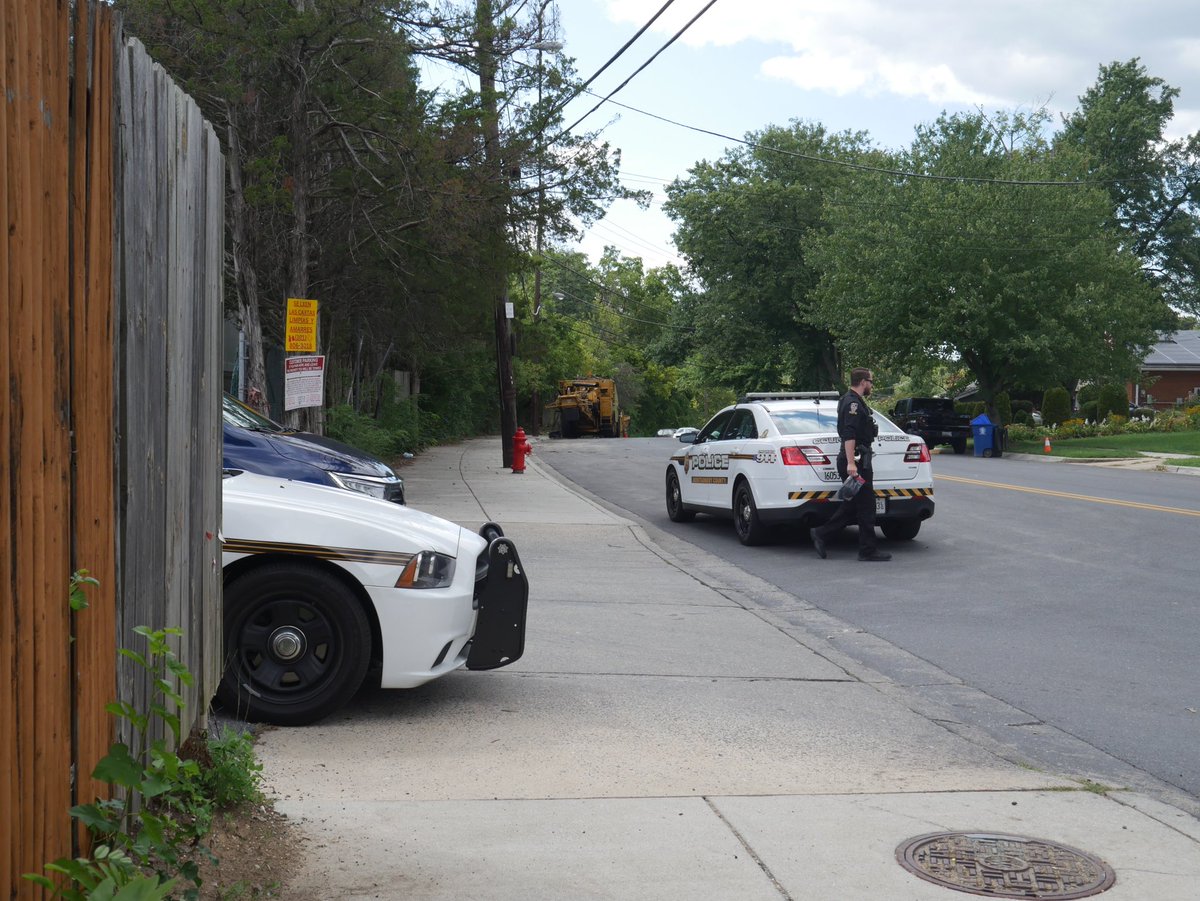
{"x": 245, "y": 276}
{"x": 309, "y": 419}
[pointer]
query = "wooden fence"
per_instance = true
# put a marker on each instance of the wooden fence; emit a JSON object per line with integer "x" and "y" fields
{"x": 111, "y": 186}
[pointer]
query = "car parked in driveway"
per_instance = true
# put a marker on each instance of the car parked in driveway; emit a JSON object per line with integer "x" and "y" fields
{"x": 255, "y": 443}
{"x": 772, "y": 458}
{"x": 322, "y": 584}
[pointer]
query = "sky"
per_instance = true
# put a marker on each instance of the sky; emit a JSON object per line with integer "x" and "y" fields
{"x": 879, "y": 66}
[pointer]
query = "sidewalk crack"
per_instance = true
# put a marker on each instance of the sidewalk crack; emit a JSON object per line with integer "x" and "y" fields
{"x": 783, "y": 893}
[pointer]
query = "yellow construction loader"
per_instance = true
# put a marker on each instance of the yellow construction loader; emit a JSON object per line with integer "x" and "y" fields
{"x": 587, "y": 406}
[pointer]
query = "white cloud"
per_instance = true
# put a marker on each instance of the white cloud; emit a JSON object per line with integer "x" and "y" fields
{"x": 955, "y": 52}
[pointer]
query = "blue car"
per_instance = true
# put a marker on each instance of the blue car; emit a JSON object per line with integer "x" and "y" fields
{"x": 256, "y": 444}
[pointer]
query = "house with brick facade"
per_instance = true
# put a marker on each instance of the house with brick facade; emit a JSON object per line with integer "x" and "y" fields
{"x": 1170, "y": 373}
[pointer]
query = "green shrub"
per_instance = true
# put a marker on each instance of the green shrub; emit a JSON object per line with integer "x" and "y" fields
{"x": 1056, "y": 406}
{"x": 1090, "y": 411}
{"x": 1143, "y": 413}
{"x": 1022, "y": 406}
{"x": 1004, "y": 408}
{"x": 1022, "y": 417}
{"x": 1021, "y": 432}
{"x": 972, "y": 409}
{"x": 158, "y": 810}
{"x": 1087, "y": 393}
{"x": 1112, "y": 399}
{"x": 1139, "y": 426}
{"x": 1172, "y": 421}
{"x": 1076, "y": 428}
{"x": 1114, "y": 424}
{"x": 361, "y": 431}
{"x": 234, "y": 776}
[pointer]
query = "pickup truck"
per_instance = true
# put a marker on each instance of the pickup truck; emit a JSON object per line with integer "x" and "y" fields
{"x": 934, "y": 419}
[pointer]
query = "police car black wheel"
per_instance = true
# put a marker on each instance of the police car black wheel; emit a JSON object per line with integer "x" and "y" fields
{"x": 675, "y": 500}
{"x": 901, "y": 530}
{"x": 750, "y": 529}
{"x": 297, "y": 642}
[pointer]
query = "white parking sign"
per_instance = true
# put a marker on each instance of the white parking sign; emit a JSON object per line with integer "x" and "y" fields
{"x": 303, "y": 382}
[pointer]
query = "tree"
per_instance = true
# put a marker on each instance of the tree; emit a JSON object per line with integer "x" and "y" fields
{"x": 608, "y": 319}
{"x": 1153, "y": 184}
{"x": 315, "y": 103}
{"x": 741, "y": 224}
{"x": 997, "y": 261}
{"x": 1056, "y": 406}
{"x": 404, "y": 211}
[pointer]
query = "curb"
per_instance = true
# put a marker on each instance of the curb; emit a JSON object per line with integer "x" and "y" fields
{"x": 1135, "y": 464}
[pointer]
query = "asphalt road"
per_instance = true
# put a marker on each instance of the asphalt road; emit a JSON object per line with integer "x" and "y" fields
{"x": 1070, "y": 592}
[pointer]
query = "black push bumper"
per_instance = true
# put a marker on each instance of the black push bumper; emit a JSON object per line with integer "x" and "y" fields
{"x": 502, "y": 595}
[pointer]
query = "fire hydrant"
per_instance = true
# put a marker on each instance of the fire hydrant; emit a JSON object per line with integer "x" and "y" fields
{"x": 521, "y": 447}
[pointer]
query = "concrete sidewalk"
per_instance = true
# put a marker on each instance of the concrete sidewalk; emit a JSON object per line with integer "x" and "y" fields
{"x": 677, "y": 729}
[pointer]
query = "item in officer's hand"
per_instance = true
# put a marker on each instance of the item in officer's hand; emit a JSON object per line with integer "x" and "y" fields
{"x": 850, "y": 487}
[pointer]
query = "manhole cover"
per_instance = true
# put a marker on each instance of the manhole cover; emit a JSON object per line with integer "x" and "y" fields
{"x": 1005, "y": 866}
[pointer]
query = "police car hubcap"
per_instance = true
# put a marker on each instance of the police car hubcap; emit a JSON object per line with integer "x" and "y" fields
{"x": 287, "y": 643}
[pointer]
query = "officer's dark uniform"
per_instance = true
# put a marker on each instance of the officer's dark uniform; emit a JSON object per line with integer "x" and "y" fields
{"x": 855, "y": 421}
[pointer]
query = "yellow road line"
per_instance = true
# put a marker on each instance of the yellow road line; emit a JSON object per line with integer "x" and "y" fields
{"x": 1069, "y": 496}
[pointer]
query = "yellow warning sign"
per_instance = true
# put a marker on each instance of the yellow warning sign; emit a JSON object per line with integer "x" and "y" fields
{"x": 301, "y": 333}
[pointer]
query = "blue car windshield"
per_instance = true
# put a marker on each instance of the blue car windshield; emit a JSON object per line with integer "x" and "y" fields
{"x": 234, "y": 412}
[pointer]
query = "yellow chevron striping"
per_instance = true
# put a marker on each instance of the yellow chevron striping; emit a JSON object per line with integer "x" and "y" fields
{"x": 879, "y": 492}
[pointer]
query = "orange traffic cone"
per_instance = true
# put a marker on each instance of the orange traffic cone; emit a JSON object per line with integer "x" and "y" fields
{"x": 1046, "y": 446}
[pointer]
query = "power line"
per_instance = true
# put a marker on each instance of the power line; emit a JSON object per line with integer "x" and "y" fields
{"x": 860, "y": 167}
{"x": 603, "y": 287}
{"x": 660, "y": 50}
{"x": 565, "y": 323}
{"x": 612, "y": 59}
{"x": 631, "y": 237}
{"x": 596, "y": 303}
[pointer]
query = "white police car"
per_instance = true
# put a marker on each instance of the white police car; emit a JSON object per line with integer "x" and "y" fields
{"x": 772, "y": 458}
{"x": 320, "y": 584}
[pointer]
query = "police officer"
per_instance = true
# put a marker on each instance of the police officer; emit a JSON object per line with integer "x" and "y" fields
{"x": 857, "y": 429}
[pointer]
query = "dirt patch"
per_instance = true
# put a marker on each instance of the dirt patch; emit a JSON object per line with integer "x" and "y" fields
{"x": 256, "y": 850}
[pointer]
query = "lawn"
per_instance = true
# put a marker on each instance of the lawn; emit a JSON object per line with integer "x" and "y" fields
{"x": 1118, "y": 446}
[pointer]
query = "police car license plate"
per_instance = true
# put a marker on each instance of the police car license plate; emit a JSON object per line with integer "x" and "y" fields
{"x": 880, "y": 505}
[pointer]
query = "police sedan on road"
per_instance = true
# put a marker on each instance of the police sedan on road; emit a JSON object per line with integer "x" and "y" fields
{"x": 772, "y": 458}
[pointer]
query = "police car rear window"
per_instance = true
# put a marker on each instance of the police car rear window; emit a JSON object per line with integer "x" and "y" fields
{"x": 886, "y": 425}
{"x": 805, "y": 422}
{"x": 811, "y": 422}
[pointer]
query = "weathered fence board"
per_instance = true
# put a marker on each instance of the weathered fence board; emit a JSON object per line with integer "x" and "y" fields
{"x": 111, "y": 186}
{"x": 92, "y": 389}
{"x": 34, "y": 640}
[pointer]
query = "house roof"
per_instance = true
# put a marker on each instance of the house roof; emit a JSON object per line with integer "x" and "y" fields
{"x": 1177, "y": 350}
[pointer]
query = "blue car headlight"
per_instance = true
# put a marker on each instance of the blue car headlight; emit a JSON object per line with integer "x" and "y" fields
{"x": 369, "y": 487}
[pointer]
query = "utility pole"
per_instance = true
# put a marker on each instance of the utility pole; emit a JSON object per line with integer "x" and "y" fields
{"x": 553, "y": 46}
{"x": 485, "y": 55}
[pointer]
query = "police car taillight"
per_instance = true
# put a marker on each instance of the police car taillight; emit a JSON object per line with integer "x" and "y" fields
{"x": 803, "y": 456}
{"x": 917, "y": 453}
